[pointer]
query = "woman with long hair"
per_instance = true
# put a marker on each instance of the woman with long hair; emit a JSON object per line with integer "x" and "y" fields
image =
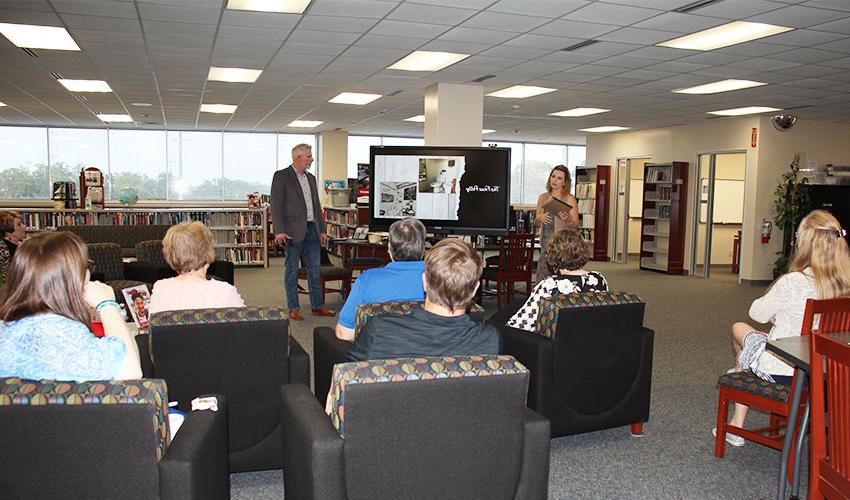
{"x": 557, "y": 187}
{"x": 46, "y": 312}
{"x": 819, "y": 269}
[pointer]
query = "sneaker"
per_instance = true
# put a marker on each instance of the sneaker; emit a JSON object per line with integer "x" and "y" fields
{"x": 732, "y": 439}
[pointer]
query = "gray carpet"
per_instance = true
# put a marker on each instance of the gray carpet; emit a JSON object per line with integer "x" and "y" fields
{"x": 691, "y": 318}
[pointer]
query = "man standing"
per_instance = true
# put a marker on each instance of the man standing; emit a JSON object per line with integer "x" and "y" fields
{"x": 298, "y": 225}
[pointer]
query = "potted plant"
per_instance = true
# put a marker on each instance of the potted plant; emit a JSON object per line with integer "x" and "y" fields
{"x": 790, "y": 204}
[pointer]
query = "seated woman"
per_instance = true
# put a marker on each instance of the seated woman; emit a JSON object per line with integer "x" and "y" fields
{"x": 188, "y": 249}
{"x": 819, "y": 269}
{"x": 46, "y": 314}
{"x": 567, "y": 252}
{"x": 13, "y": 229}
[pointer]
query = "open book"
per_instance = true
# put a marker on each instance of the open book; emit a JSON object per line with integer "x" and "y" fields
{"x": 554, "y": 205}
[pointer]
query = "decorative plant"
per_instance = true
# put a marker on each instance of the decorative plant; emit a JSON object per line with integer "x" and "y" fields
{"x": 790, "y": 204}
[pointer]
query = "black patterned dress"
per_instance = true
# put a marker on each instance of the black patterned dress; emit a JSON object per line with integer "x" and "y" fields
{"x": 558, "y": 284}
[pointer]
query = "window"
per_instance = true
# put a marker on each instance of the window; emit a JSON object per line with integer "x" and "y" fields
{"x": 23, "y": 163}
{"x": 250, "y": 161}
{"x": 194, "y": 165}
{"x": 539, "y": 161}
{"x": 402, "y": 141}
{"x": 73, "y": 149}
{"x": 517, "y": 151}
{"x": 358, "y": 151}
{"x": 137, "y": 160}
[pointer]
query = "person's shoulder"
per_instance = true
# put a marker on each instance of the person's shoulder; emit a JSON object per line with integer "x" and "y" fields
{"x": 543, "y": 196}
{"x": 45, "y": 322}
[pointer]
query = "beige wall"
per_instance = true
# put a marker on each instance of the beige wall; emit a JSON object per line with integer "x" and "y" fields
{"x": 333, "y": 152}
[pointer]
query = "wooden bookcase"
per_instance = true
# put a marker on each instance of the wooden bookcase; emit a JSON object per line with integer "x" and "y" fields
{"x": 341, "y": 223}
{"x": 594, "y": 199}
{"x": 662, "y": 240}
{"x": 239, "y": 234}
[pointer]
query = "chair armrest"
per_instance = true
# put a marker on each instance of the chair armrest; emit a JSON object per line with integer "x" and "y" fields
{"x": 533, "y": 351}
{"x": 143, "y": 343}
{"x": 196, "y": 464}
{"x": 299, "y": 363}
{"x": 327, "y": 351}
{"x": 312, "y": 449}
{"x": 147, "y": 272}
{"x": 222, "y": 270}
{"x": 534, "y": 472}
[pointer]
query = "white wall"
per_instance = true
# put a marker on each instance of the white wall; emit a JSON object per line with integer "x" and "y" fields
{"x": 333, "y": 150}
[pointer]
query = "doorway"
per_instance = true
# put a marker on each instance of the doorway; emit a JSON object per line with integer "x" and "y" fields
{"x": 628, "y": 177}
{"x": 718, "y": 213}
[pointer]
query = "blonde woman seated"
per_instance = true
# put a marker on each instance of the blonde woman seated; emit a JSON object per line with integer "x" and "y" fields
{"x": 188, "y": 249}
{"x": 567, "y": 252}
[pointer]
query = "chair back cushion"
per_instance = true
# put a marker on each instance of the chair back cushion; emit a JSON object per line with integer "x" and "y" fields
{"x": 240, "y": 352}
{"x": 150, "y": 251}
{"x": 125, "y": 235}
{"x": 107, "y": 260}
{"x": 398, "y": 308}
{"x": 446, "y": 427}
{"x": 96, "y": 439}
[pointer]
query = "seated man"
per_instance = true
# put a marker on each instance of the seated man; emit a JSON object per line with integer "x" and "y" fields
{"x": 401, "y": 279}
{"x": 440, "y": 327}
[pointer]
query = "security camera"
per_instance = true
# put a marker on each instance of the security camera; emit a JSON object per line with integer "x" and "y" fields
{"x": 783, "y": 122}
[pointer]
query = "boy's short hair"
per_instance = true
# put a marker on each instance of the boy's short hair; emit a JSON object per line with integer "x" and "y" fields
{"x": 188, "y": 246}
{"x": 452, "y": 270}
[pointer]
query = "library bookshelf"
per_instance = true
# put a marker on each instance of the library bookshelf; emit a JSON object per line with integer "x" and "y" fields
{"x": 239, "y": 234}
{"x": 593, "y": 194}
{"x": 665, "y": 191}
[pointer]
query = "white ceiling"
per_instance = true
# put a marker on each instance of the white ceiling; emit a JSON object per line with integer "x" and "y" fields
{"x": 159, "y": 52}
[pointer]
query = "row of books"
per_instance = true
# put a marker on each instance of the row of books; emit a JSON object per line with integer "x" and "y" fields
{"x": 241, "y": 256}
{"x": 658, "y": 174}
{"x": 341, "y": 216}
{"x": 339, "y": 231}
{"x": 239, "y": 237}
{"x": 587, "y": 221}
{"x": 587, "y": 206}
{"x": 585, "y": 190}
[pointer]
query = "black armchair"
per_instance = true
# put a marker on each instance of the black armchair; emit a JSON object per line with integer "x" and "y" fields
{"x": 447, "y": 427}
{"x": 107, "y": 439}
{"x": 150, "y": 252}
{"x": 244, "y": 353}
{"x": 590, "y": 360}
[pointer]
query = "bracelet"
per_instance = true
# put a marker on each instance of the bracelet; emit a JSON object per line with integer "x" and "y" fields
{"x": 107, "y": 303}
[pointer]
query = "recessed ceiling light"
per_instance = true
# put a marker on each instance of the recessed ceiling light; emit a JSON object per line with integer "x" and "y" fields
{"x": 2, "y": 104}
{"x": 85, "y": 85}
{"x": 417, "y": 118}
{"x": 218, "y": 108}
{"x": 725, "y": 35}
{"x": 115, "y": 118}
{"x": 487, "y": 131}
{"x": 38, "y": 37}
{"x": 749, "y": 110}
{"x": 233, "y": 74}
{"x": 141, "y": 104}
{"x": 607, "y": 128}
{"x": 580, "y": 112}
{"x": 721, "y": 86}
{"x": 287, "y": 6}
{"x": 423, "y": 60}
{"x": 304, "y": 123}
{"x": 354, "y": 98}
{"x": 521, "y": 92}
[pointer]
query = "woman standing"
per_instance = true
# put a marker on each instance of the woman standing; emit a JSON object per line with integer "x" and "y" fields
{"x": 557, "y": 187}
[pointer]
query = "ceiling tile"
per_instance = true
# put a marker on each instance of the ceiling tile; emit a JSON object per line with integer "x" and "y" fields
{"x": 430, "y": 14}
{"x": 737, "y": 9}
{"x": 474, "y": 35}
{"x": 183, "y": 14}
{"x": 679, "y": 23}
{"x": 351, "y": 8}
{"x": 333, "y": 23}
{"x": 408, "y": 29}
{"x": 610, "y": 13}
{"x": 636, "y": 35}
{"x": 504, "y": 22}
{"x": 574, "y": 29}
{"x": 542, "y": 8}
{"x": 797, "y": 16}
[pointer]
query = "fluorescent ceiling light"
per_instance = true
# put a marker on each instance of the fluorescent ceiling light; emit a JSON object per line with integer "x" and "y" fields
{"x": 354, "y": 98}
{"x": 520, "y": 92}
{"x": 417, "y": 118}
{"x": 218, "y": 108}
{"x": 721, "y": 86}
{"x": 115, "y": 118}
{"x": 38, "y": 37}
{"x": 749, "y": 110}
{"x": 287, "y": 6}
{"x": 304, "y": 123}
{"x": 607, "y": 128}
{"x": 233, "y": 74}
{"x": 2, "y": 104}
{"x": 580, "y": 112}
{"x": 141, "y": 104}
{"x": 423, "y": 60}
{"x": 85, "y": 85}
{"x": 725, "y": 35}
{"x": 487, "y": 131}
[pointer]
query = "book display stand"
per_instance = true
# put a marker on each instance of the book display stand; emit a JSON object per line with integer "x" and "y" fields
{"x": 665, "y": 192}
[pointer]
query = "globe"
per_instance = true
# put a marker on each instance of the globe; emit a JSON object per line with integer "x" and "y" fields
{"x": 128, "y": 196}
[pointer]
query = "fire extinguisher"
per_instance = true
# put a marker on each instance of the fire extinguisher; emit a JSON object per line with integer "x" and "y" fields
{"x": 766, "y": 227}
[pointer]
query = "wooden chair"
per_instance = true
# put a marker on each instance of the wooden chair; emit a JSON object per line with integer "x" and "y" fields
{"x": 830, "y": 463}
{"x": 515, "y": 265}
{"x": 328, "y": 272}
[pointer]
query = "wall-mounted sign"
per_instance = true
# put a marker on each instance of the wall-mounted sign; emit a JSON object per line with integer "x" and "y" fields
{"x": 754, "y": 137}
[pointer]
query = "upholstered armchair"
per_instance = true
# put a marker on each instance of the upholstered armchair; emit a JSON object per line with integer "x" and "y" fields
{"x": 244, "y": 353}
{"x": 329, "y": 350}
{"x": 150, "y": 252}
{"x": 107, "y": 439}
{"x": 590, "y": 359}
{"x": 110, "y": 268}
{"x": 446, "y": 427}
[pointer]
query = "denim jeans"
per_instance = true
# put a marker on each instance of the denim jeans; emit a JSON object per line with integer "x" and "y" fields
{"x": 311, "y": 251}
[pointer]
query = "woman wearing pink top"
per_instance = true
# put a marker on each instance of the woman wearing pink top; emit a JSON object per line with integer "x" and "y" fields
{"x": 188, "y": 249}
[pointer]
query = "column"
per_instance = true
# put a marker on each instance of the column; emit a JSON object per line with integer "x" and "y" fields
{"x": 333, "y": 155}
{"x": 454, "y": 114}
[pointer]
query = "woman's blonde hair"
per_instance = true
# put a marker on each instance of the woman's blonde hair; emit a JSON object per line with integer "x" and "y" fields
{"x": 48, "y": 274}
{"x": 567, "y": 179}
{"x": 188, "y": 246}
{"x": 7, "y": 221}
{"x": 821, "y": 246}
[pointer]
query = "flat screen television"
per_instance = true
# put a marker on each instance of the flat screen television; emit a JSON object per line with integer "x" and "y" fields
{"x": 452, "y": 190}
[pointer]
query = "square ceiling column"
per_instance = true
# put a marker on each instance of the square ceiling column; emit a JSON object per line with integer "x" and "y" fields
{"x": 454, "y": 115}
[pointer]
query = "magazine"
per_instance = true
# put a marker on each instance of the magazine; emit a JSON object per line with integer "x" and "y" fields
{"x": 137, "y": 299}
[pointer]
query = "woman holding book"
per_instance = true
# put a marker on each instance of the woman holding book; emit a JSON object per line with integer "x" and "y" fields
{"x": 557, "y": 209}
{"x": 46, "y": 313}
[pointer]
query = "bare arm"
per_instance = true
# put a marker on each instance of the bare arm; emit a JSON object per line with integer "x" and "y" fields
{"x": 541, "y": 216}
{"x": 344, "y": 333}
{"x": 114, "y": 326}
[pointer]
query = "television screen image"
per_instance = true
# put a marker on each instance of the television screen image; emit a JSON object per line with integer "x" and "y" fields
{"x": 450, "y": 189}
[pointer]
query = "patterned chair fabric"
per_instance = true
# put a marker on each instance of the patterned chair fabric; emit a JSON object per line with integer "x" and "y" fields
{"x": 747, "y": 382}
{"x": 214, "y": 316}
{"x": 107, "y": 260}
{"x": 547, "y": 320}
{"x": 393, "y": 308}
{"x": 15, "y": 391}
{"x": 411, "y": 369}
{"x": 126, "y": 236}
{"x": 150, "y": 251}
